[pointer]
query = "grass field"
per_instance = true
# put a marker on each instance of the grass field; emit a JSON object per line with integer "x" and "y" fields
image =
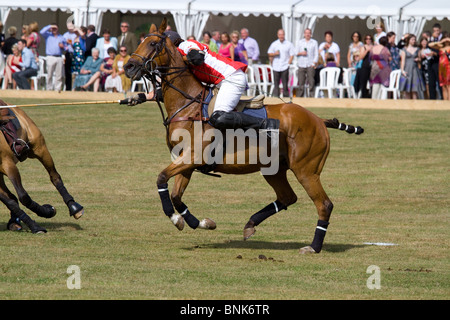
{"x": 389, "y": 185}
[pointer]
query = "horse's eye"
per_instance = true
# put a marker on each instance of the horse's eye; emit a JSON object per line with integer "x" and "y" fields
{"x": 153, "y": 43}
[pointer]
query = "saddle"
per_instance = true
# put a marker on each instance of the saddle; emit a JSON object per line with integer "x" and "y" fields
{"x": 253, "y": 106}
{"x": 9, "y": 125}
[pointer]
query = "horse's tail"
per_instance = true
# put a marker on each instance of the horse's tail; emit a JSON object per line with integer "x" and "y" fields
{"x": 335, "y": 124}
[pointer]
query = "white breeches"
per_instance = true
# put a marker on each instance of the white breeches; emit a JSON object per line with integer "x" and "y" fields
{"x": 230, "y": 92}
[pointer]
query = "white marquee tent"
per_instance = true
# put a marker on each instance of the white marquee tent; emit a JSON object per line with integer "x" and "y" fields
{"x": 191, "y": 16}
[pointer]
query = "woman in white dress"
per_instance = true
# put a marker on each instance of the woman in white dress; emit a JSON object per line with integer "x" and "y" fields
{"x": 117, "y": 81}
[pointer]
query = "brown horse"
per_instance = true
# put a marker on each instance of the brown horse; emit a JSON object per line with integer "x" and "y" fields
{"x": 30, "y": 134}
{"x": 304, "y": 141}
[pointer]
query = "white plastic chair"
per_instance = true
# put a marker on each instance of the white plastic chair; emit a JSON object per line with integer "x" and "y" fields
{"x": 329, "y": 77}
{"x": 141, "y": 82}
{"x": 252, "y": 85}
{"x": 394, "y": 85}
{"x": 40, "y": 74}
{"x": 264, "y": 78}
{"x": 346, "y": 84}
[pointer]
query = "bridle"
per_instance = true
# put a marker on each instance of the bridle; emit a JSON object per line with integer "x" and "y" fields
{"x": 157, "y": 75}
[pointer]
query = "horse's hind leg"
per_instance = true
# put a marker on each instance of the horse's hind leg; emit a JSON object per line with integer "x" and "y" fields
{"x": 285, "y": 197}
{"x": 10, "y": 169}
{"x": 14, "y": 222}
{"x": 43, "y": 155}
{"x": 17, "y": 214}
{"x": 313, "y": 186}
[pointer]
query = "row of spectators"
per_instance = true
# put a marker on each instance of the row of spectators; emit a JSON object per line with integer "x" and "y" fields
{"x": 86, "y": 60}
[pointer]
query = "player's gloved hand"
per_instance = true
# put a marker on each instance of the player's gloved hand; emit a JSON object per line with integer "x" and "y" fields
{"x": 137, "y": 99}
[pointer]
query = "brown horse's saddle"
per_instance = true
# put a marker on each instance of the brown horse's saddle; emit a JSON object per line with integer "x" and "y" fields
{"x": 252, "y": 103}
{"x": 9, "y": 125}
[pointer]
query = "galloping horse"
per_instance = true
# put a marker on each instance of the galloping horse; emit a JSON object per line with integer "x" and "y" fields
{"x": 304, "y": 141}
{"x": 29, "y": 134}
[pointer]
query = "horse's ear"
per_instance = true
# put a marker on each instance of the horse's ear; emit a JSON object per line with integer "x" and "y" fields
{"x": 152, "y": 28}
{"x": 163, "y": 26}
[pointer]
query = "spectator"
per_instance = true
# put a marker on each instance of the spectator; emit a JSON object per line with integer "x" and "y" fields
{"x": 240, "y": 53}
{"x": 281, "y": 52}
{"x": 107, "y": 66}
{"x": 79, "y": 48}
{"x": 215, "y": 36}
{"x": 251, "y": 45}
{"x": 380, "y": 32}
{"x": 363, "y": 68}
{"x": 10, "y": 41}
{"x": 33, "y": 40}
{"x": 307, "y": 59}
{"x": 425, "y": 54}
{"x": 207, "y": 40}
{"x": 329, "y": 46}
{"x": 12, "y": 66}
{"x": 402, "y": 42}
{"x": 426, "y": 35}
{"x": 2, "y": 36}
{"x": 28, "y": 65}
{"x": 411, "y": 81}
{"x": 118, "y": 80}
{"x": 54, "y": 45}
{"x": 91, "y": 40}
{"x": 142, "y": 36}
{"x": 25, "y": 32}
{"x": 353, "y": 50}
{"x": 436, "y": 36}
{"x": 226, "y": 48}
{"x": 329, "y": 61}
{"x": 444, "y": 64}
{"x": 127, "y": 38}
{"x": 191, "y": 37}
{"x": 394, "y": 50}
{"x": 69, "y": 37}
{"x": 90, "y": 67}
{"x": 380, "y": 69}
{"x": 105, "y": 42}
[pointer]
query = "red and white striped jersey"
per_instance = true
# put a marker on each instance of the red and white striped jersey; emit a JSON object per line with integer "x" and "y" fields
{"x": 215, "y": 68}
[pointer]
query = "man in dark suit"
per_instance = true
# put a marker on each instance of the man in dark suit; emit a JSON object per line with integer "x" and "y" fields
{"x": 91, "y": 40}
{"x": 127, "y": 38}
{"x": 433, "y": 63}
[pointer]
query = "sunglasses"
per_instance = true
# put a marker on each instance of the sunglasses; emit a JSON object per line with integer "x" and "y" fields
{"x": 124, "y": 26}
{"x": 123, "y": 50}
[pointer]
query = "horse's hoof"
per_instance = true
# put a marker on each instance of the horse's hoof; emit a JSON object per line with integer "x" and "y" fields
{"x": 36, "y": 229}
{"x": 249, "y": 232}
{"x": 207, "y": 224}
{"x": 76, "y": 210}
{"x": 307, "y": 250}
{"x": 14, "y": 225}
{"x": 177, "y": 220}
{"x": 51, "y": 211}
{"x": 79, "y": 214}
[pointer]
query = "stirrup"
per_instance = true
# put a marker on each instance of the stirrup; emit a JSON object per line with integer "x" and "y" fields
{"x": 24, "y": 148}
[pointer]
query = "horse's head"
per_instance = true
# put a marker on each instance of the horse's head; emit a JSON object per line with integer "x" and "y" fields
{"x": 152, "y": 53}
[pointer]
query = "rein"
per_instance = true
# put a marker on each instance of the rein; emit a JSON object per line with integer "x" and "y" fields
{"x": 153, "y": 70}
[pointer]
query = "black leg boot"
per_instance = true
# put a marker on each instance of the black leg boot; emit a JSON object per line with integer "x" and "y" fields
{"x": 238, "y": 120}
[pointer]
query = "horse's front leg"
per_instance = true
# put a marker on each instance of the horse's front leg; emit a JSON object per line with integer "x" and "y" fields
{"x": 181, "y": 182}
{"x": 40, "y": 151}
{"x": 182, "y": 173}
